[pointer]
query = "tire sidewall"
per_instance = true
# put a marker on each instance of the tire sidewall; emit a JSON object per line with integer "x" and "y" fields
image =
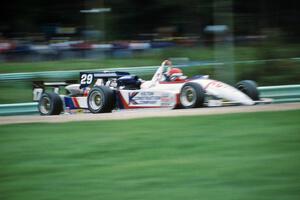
{"x": 249, "y": 88}
{"x": 107, "y": 99}
{"x": 56, "y": 105}
{"x": 198, "y": 94}
{"x": 100, "y": 92}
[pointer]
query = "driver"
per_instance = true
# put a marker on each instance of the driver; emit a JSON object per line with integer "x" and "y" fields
{"x": 173, "y": 74}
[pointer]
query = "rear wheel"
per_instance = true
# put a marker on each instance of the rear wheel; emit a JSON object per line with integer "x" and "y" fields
{"x": 101, "y": 100}
{"x": 191, "y": 95}
{"x": 249, "y": 88}
{"x": 50, "y": 104}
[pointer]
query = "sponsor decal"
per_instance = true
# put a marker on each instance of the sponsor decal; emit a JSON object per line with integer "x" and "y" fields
{"x": 131, "y": 99}
{"x": 145, "y": 100}
{"x": 136, "y": 98}
{"x": 215, "y": 84}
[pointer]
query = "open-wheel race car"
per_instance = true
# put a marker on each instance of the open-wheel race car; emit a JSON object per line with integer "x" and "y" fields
{"x": 102, "y": 92}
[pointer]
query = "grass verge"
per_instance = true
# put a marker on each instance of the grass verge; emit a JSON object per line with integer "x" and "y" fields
{"x": 237, "y": 156}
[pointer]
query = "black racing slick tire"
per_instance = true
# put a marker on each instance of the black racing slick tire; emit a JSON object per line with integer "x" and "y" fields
{"x": 192, "y": 95}
{"x": 249, "y": 88}
{"x": 50, "y": 104}
{"x": 101, "y": 99}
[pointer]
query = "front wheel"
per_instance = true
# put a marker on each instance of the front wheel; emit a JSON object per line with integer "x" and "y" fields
{"x": 50, "y": 104}
{"x": 249, "y": 88}
{"x": 101, "y": 100}
{"x": 192, "y": 95}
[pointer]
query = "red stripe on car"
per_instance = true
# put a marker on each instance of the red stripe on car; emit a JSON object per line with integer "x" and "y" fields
{"x": 76, "y": 104}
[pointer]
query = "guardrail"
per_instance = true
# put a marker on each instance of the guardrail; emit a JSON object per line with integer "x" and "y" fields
{"x": 73, "y": 74}
{"x": 18, "y": 109}
{"x": 280, "y": 94}
{"x": 145, "y": 70}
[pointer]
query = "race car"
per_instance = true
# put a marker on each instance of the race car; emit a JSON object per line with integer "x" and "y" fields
{"x": 102, "y": 92}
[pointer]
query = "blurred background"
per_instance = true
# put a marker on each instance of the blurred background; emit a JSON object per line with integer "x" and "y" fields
{"x": 229, "y": 40}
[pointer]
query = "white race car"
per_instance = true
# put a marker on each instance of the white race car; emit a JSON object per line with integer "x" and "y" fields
{"x": 101, "y": 92}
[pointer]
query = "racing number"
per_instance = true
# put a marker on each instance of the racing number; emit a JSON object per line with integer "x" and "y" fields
{"x": 37, "y": 93}
{"x": 86, "y": 79}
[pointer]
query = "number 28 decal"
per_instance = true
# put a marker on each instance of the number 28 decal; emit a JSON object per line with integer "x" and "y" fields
{"x": 86, "y": 79}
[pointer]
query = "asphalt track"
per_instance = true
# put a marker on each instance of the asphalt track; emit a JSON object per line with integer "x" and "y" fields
{"x": 146, "y": 113}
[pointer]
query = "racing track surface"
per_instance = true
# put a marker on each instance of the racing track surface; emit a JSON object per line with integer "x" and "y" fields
{"x": 143, "y": 113}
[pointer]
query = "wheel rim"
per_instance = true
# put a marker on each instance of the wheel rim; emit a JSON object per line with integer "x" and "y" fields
{"x": 45, "y": 105}
{"x": 188, "y": 96}
{"x": 96, "y": 100}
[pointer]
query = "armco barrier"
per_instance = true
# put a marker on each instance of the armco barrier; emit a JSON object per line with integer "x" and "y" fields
{"x": 73, "y": 74}
{"x": 280, "y": 94}
{"x": 18, "y": 109}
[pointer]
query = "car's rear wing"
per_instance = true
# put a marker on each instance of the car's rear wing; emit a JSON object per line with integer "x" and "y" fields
{"x": 42, "y": 84}
{"x": 89, "y": 78}
{"x": 86, "y": 79}
{"x": 39, "y": 87}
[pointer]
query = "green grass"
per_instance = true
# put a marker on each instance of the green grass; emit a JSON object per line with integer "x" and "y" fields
{"x": 238, "y": 156}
